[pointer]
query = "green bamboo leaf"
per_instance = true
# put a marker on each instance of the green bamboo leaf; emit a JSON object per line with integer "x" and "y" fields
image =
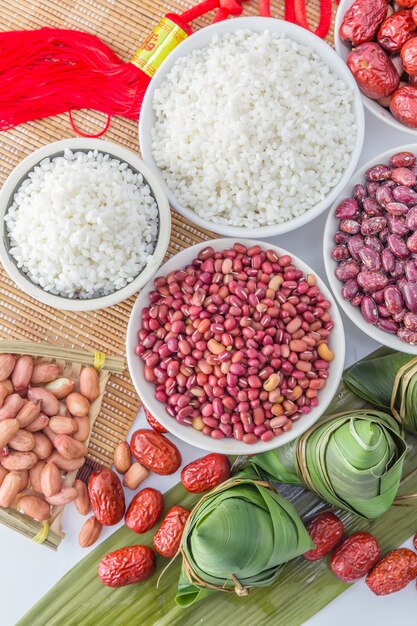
{"x": 353, "y": 461}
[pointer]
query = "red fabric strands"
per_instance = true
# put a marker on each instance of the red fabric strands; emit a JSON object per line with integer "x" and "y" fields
{"x": 295, "y": 12}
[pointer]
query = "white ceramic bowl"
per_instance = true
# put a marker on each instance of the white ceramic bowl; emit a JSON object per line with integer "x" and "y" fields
{"x": 20, "y": 173}
{"x": 146, "y": 390}
{"x": 201, "y": 39}
{"x": 332, "y": 225}
{"x": 343, "y": 51}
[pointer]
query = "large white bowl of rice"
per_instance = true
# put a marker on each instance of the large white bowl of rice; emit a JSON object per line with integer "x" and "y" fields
{"x": 254, "y": 125}
{"x": 85, "y": 224}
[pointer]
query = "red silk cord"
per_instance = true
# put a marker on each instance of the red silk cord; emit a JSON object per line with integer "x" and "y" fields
{"x": 49, "y": 71}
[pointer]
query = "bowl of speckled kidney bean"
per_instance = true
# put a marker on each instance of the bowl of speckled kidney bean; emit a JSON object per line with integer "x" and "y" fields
{"x": 236, "y": 346}
{"x": 370, "y": 249}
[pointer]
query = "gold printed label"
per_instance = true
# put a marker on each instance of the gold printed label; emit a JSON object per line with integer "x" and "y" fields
{"x": 160, "y": 43}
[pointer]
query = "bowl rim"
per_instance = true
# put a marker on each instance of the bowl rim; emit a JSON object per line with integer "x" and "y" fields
{"x": 372, "y": 106}
{"x": 187, "y": 434}
{"x": 353, "y": 313}
{"x": 258, "y": 24}
{"x": 117, "y": 151}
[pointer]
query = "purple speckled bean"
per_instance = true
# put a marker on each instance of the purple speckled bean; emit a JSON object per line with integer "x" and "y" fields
{"x": 373, "y": 225}
{"x": 350, "y": 289}
{"x": 369, "y": 310}
{"x": 388, "y": 260}
{"x": 371, "y": 188}
{"x": 402, "y": 159}
{"x": 393, "y": 299}
{"x": 384, "y": 195}
{"x": 372, "y": 208}
{"x": 409, "y": 291}
{"x": 411, "y": 219}
{"x": 351, "y": 227}
{"x": 378, "y": 172}
{"x": 383, "y": 311}
{"x": 407, "y": 335}
{"x": 405, "y": 195}
{"x": 397, "y": 246}
{"x": 378, "y": 296}
{"x": 347, "y": 209}
{"x": 340, "y": 237}
{"x": 359, "y": 193}
{"x": 370, "y": 258}
{"x": 410, "y": 321}
{"x": 398, "y": 270}
{"x": 412, "y": 243}
{"x": 383, "y": 235}
{"x": 338, "y": 253}
{"x": 354, "y": 244}
{"x": 411, "y": 270}
{"x": 397, "y": 225}
{"x": 397, "y": 208}
{"x": 356, "y": 300}
{"x": 403, "y": 176}
{"x": 388, "y": 325}
{"x": 372, "y": 281}
{"x": 372, "y": 241}
{"x": 347, "y": 269}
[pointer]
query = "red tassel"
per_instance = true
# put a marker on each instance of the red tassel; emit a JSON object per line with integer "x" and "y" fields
{"x": 295, "y": 11}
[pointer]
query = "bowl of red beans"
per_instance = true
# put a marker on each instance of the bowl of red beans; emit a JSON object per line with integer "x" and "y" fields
{"x": 236, "y": 346}
{"x": 370, "y": 249}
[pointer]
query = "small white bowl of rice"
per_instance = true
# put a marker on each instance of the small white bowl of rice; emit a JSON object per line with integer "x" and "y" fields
{"x": 254, "y": 125}
{"x": 85, "y": 224}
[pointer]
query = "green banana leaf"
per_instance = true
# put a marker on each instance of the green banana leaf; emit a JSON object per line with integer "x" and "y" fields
{"x": 244, "y": 529}
{"x": 305, "y": 587}
{"x": 374, "y": 381}
{"x": 353, "y": 460}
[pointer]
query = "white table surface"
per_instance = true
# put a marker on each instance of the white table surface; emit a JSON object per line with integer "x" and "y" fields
{"x": 27, "y": 570}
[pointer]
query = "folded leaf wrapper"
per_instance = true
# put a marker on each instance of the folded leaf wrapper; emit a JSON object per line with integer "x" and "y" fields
{"x": 352, "y": 460}
{"x": 388, "y": 382}
{"x": 238, "y": 536}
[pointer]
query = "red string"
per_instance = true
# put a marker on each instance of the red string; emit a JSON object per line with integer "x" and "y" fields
{"x": 265, "y": 8}
{"x": 82, "y": 134}
{"x": 295, "y": 11}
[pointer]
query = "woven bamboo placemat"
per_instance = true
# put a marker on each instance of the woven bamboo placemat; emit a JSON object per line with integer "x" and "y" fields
{"x": 122, "y": 24}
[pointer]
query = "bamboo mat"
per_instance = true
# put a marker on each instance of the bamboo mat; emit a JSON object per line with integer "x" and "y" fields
{"x": 122, "y": 24}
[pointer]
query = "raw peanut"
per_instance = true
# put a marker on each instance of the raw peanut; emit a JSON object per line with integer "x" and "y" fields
{"x": 167, "y": 538}
{"x": 145, "y": 510}
{"x": 61, "y": 387}
{"x": 43, "y": 446}
{"x": 65, "y": 496}
{"x": 127, "y": 566}
{"x": 63, "y": 411}
{"x": 324, "y": 352}
{"x": 393, "y": 572}
{"x": 155, "y": 451}
{"x": 39, "y": 423}
{"x": 82, "y": 501}
{"x": 77, "y": 405}
{"x": 206, "y": 472}
{"x": 106, "y": 497}
{"x": 9, "y": 489}
{"x": 24, "y": 479}
{"x": 63, "y": 425}
{"x": 50, "y": 479}
{"x": 69, "y": 447}
{"x": 22, "y": 373}
{"x": 22, "y": 441}
{"x": 45, "y": 373}
{"x": 198, "y": 423}
{"x": 6, "y": 388}
{"x": 135, "y": 475}
{"x": 19, "y": 460}
{"x": 35, "y": 507}
{"x": 122, "y": 459}
{"x": 28, "y": 413}
{"x": 11, "y": 406}
{"x": 35, "y": 476}
{"x": 67, "y": 465}
{"x": 83, "y": 425}
{"x": 49, "y": 404}
{"x": 4, "y": 451}
{"x": 8, "y": 429}
{"x": 89, "y": 533}
{"x": 48, "y": 432}
{"x": 3, "y": 474}
{"x": 89, "y": 383}
{"x": 7, "y": 363}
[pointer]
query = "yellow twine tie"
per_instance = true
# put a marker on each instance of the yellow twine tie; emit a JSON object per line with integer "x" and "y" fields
{"x": 42, "y": 535}
{"x": 99, "y": 360}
